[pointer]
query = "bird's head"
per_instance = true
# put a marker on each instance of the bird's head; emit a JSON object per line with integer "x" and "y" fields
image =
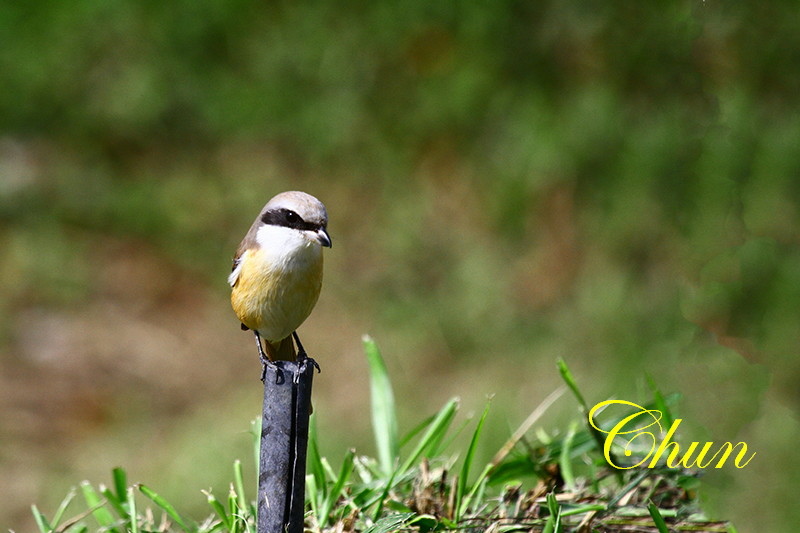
{"x": 295, "y": 214}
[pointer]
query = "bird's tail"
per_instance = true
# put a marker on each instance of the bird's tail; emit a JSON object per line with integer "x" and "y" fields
{"x": 283, "y": 350}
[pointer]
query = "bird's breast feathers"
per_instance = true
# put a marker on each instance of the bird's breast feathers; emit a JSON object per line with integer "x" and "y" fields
{"x": 274, "y": 292}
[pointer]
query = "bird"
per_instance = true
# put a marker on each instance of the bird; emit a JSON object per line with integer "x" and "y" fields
{"x": 277, "y": 274}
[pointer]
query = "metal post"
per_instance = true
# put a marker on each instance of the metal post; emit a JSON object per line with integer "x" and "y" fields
{"x": 284, "y": 440}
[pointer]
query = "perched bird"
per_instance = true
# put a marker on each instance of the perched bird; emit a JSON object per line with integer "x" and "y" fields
{"x": 277, "y": 273}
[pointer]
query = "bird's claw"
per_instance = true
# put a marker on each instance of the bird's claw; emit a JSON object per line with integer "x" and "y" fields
{"x": 303, "y": 361}
{"x": 278, "y": 373}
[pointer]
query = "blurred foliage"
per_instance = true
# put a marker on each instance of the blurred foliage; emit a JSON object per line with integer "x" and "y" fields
{"x": 614, "y": 181}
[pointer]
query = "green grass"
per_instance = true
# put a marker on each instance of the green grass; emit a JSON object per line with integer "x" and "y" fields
{"x": 427, "y": 481}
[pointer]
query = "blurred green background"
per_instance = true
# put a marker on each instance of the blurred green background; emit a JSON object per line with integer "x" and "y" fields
{"x": 615, "y": 183}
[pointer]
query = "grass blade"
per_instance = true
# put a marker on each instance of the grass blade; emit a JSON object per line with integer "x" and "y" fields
{"x": 130, "y": 498}
{"x": 441, "y": 444}
{"x": 328, "y": 469}
{"x": 62, "y": 507}
{"x": 235, "y": 512}
{"x": 566, "y": 375}
{"x": 661, "y": 525}
{"x": 381, "y": 498}
{"x": 384, "y": 416}
{"x": 338, "y": 487}
{"x": 95, "y": 503}
{"x": 408, "y": 437}
{"x": 41, "y": 522}
{"x": 641, "y": 476}
{"x": 583, "y": 509}
{"x": 313, "y": 496}
{"x": 390, "y": 523}
{"x": 535, "y": 415}
{"x": 117, "y": 504}
{"x": 218, "y": 509}
{"x": 553, "y": 523}
{"x": 433, "y": 435}
{"x": 238, "y": 480}
{"x": 166, "y": 507}
{"x": 565, "y": 459}
{"x": 463, "y": 477}
{"x": 120, "y": 479}
{"x": 477, "y": 488}
{"x": 315, "y": 466}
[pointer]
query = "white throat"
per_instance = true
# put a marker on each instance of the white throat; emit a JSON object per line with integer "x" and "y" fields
{"x": 286, "y": 247}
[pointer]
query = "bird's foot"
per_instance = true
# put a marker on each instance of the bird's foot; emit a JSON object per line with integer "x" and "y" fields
{"x": 266, "y": 361}
{"x": 303, "y": 360}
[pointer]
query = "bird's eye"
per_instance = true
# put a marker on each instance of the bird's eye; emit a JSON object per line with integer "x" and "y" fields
{"x": 292, "y": 217}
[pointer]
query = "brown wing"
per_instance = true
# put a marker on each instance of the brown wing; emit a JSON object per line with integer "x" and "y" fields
{"x": 247, "y": 243}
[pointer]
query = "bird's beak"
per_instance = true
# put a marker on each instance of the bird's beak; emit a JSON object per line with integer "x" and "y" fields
{"x": 323, "y": 238}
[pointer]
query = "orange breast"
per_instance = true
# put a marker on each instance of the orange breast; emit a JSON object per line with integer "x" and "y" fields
{"x": 275, "y": 299}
